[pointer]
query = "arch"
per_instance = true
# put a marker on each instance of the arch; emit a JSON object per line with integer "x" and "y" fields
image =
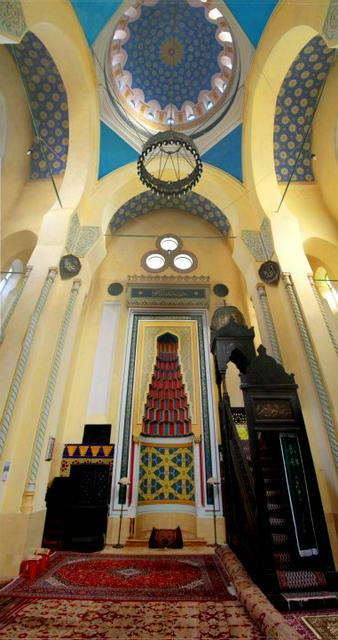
{"x": 322, "y": 253}
{"x": 57, "y": 28}
{"x": 48, "y": 104}
{"x": 287, "y": 33}
{"x": 18, "y": 246}
{"x": 295, "y": 109}
{"x": 222, "y": 190}
{"x": 191, "y": 202}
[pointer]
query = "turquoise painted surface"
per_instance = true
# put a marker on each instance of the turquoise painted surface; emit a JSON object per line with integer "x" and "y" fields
{"x": 114, "y": 152}
{"x": 94, "y": 14}
{"x": 252, "y": 15}
{"x": 227, "y": 154}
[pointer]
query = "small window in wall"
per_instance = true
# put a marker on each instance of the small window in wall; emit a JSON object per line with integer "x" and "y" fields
{"x": 5, "y": 278}
{"x": 327, "y": 288}
{"x": 10, "y": 278}
{"x": 169, "y": 254}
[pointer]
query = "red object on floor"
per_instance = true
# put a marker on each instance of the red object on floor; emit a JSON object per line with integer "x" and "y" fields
{"x": 30, "y": 568}
{"x": 42, "y": 562}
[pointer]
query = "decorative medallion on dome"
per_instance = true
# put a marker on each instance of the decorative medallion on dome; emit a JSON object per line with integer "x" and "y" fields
{"x": 172, "y": 62}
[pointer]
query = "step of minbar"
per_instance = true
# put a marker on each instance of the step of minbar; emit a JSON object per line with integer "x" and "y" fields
{"x": 273, "y": 493}
{"x": 279, "y": 539}
{"x": 299, "y": 580}
{"x": 275, "y": 506}
{"x": 189, "y": 542}
{"x": 277, "y": 522}
{"x": 282, "y": 559}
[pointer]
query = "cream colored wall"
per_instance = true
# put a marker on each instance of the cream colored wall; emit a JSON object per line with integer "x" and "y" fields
{"x": 15, "y": 169}
{"x": 55, "y": 23}
{"x": 124, "y": 253}
{"x": 324, "y": 143}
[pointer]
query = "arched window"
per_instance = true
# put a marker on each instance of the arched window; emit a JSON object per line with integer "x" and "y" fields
{"x": 327, "y": 288}
{"x": 10, "y": 278}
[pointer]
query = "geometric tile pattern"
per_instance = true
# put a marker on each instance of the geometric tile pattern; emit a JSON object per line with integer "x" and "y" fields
{"x": 190, "y": 202}
{"x": 160, "y": 30}
{"x": 166, "y": 474}
{"x": 48, "y": 102}
{"x": 296, "y": 104}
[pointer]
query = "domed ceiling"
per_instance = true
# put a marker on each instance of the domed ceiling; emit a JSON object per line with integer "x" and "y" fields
{"x": 172, "y": 62}
{"x": 147, "y": 59}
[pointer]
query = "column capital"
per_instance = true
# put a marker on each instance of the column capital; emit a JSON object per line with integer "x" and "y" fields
{"x": 261, "y": 289}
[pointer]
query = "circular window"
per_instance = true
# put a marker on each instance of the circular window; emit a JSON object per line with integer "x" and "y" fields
{"x": 155, "y": 261}
{"x": 168, "y": 243}
{"x": 183, "y": 262}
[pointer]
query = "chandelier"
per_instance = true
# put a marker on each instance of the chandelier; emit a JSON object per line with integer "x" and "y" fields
{"x": 169, "y": 164}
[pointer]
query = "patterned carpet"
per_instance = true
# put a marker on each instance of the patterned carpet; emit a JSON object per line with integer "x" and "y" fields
{"x": 78, "y": 619}
{"x": 114, "y": 577}
{"x": 315, "y": 625}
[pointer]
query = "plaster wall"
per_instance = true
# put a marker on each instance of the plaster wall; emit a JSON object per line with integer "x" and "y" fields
{"x": 124, "y": 253}
{"x": 17, "y": 135}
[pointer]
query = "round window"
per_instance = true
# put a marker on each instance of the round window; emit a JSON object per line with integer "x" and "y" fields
{"x": 183, "y": 262}
{"x": 155, "y": 261}
{"x": 169, "y": 243}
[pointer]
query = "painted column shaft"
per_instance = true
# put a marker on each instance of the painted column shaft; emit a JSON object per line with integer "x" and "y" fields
{"x": 269, "y": 322}
{"x": 50, "y": 388}
{"x": 23, "y": 358}
{"x": 317, "y": 376}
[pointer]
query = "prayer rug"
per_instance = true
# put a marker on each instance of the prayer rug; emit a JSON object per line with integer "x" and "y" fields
{"x": 315, "y": 625}
{"x": 113, "y": 577}
{"x": 79, "y": 619}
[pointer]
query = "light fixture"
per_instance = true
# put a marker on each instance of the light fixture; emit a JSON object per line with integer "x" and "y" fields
{"x": 169, "y": 164}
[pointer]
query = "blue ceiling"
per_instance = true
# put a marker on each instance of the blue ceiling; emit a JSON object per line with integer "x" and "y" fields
{"x": 296, "y": 105}
{"x": 160, "y": 30}
{"x": 252, "y": 16}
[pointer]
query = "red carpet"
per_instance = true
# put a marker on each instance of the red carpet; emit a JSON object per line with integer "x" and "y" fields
{"x": 152, "y": 578}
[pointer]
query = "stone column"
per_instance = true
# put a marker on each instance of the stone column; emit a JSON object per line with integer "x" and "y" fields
{"x": 23, "y": 358}
{"x": 27, "y": 503}
{"x": 314, "y": 366}
{"x": 269, "y": 322}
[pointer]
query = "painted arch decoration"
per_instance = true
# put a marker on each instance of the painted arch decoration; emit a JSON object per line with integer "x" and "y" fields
{"x": 190, "y": 202}
{"x": 49, "y": 106}
{"x": 295, "y": 109}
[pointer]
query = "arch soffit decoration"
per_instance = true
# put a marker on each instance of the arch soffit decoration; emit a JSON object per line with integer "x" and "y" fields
{"x": 57, "y": 28}
{"x": 191, "y": 202}
{"x": 221, "y": 189}
{"x": 284, "y": 37}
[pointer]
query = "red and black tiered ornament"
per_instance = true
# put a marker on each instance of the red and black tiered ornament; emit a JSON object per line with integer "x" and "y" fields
{"x": 167, "y": 409}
